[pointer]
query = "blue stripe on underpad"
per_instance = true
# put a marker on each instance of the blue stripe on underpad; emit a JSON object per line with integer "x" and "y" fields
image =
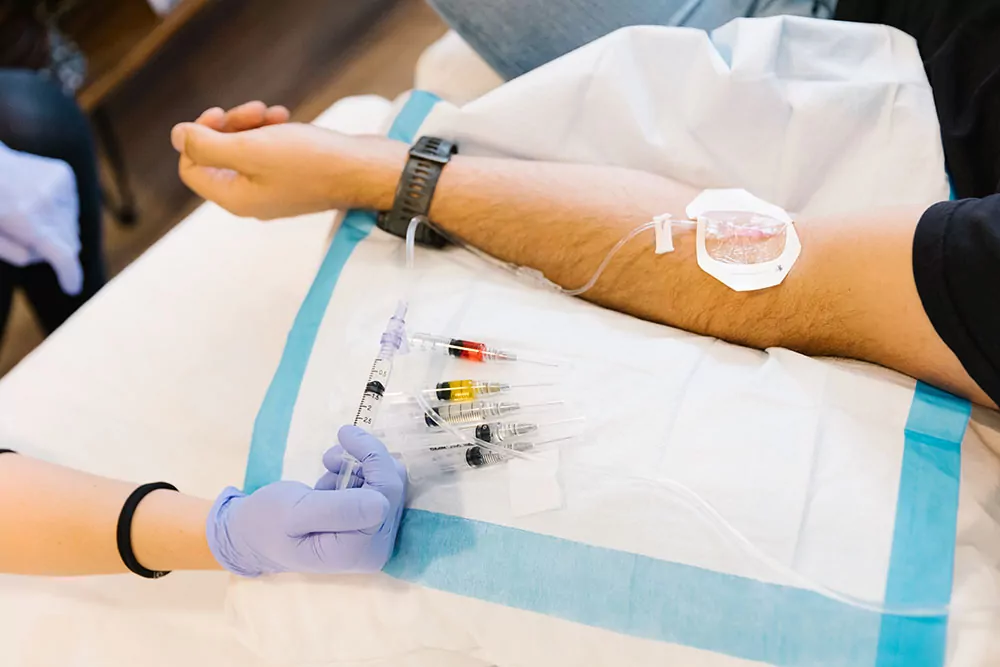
{"x": 646, "y": 597}
{"x": 923, "y": 544}
{"x": 631, "y": 594}
{"x": 270, "y": 429}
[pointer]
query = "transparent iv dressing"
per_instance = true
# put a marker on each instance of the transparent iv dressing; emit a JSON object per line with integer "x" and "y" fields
{"x": 743, "y": 237}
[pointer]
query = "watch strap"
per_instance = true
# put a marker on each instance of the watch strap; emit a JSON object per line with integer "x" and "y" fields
{"x": 416, "y": 189}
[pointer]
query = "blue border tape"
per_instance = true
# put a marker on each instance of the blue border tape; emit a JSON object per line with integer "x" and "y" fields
{"x": 270, "y": 429}
{"x": 645, "y": 597}
{"x": 923, "y": 545}
{"x": 631, "y": 594}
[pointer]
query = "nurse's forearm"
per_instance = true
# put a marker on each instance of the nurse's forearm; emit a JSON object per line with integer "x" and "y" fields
{"x": 850, "y": 294}
{"x": 58, "y": 521}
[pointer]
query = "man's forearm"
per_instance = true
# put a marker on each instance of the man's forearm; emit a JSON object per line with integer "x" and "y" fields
{"x": 850, "y": 294}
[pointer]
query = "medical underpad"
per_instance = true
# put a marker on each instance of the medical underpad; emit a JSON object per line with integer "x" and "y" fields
{"x": 855, "y": 477}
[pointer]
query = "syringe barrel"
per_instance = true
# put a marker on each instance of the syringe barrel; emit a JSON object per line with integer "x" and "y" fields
{"x": 424, "y": 463}
{"x": 500, "y": 431}
{"x": 459, "y": 391}
{"x": 459, "y": 348}
{"x": 378, "y": 379}
{"x": 468, "y": 413}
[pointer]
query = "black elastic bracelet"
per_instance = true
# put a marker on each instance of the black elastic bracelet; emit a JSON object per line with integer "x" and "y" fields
{"x": 125, "y": 529}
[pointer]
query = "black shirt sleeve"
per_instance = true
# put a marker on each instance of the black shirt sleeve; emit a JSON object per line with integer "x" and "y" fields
{"x": 959, "y": 42}
{"x": 956, "y": 265}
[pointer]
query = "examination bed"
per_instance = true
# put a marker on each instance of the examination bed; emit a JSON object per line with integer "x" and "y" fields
{"x": 174, "y": 372}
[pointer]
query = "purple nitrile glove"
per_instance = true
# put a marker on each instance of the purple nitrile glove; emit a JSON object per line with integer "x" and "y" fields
{"x": 372, "y": 473}
{"x": 289, "y": 527}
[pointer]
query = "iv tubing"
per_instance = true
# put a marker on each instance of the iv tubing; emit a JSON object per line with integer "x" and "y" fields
{"x": 686, "y": 496}
{"x": 526, "y": 273}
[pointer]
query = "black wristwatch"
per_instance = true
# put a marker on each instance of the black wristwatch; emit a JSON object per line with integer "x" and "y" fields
{"x": 416, "y": 188}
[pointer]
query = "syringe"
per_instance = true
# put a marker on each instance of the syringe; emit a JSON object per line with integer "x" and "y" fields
{"x": 450, "y": 459}
{"x": 495, "y": 432}
{"x": 477, "y": 411}
{"x": 378, "y": 378}
{"x": 459, "y": 391}
{"x": 501, "y": 431}
{"x": 458, "y": 348}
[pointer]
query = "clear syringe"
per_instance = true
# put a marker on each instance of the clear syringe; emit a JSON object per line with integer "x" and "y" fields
{"x": 476, "y": 411}
{"x": 451, "y": 459}
{"x": 469, "y": 350}
{"x": 460, "y": 457}
{"x": 392, "y": 339}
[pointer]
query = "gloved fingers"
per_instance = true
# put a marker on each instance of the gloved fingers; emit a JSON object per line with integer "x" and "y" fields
{"x": 328, "y": 482}
{"x": 334, "y": 549}
{"x": 333, "y": 458}
{"x": 378, "y": 467}
{"x": 338, "y": 512}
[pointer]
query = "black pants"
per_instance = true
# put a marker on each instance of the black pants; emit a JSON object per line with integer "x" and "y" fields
{"x": 36, "y": 117}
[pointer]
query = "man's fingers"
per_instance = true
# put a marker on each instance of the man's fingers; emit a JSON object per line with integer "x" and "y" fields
{"x": 276, "y": 115}
{"x": 214, "y": 118}
{"x": 252, "y": 115}
{"x": 247, "y": 116}
{"x": 223, "y": 186}
{"x": 206, "y": 147}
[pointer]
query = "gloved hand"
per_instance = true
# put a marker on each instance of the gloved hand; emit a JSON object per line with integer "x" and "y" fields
{"x": 39, "y": 215}
{"x": 289, "y": 527}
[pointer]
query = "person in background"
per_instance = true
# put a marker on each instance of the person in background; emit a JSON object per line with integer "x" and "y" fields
{"x": 50, "y": 203}
{"x": 517, "y": 36}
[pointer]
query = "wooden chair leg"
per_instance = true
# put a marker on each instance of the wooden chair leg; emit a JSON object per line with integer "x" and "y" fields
{"x": 125, "y": 212}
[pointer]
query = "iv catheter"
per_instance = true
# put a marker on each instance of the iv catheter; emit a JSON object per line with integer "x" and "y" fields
{"x": 378, "y": 378}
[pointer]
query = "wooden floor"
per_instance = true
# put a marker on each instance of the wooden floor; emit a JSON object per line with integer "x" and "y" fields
{"x": 305, "y": 54}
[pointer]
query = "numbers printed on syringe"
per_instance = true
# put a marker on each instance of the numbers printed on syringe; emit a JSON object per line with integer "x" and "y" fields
{"x": 366, "y": 410}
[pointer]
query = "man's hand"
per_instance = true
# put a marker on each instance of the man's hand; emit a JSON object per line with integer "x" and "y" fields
{"x": 254, "y": 163}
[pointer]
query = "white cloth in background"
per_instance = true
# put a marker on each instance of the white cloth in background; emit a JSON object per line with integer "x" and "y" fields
{"x": 787, "y": 108}
{"x": 39, "y": 215}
